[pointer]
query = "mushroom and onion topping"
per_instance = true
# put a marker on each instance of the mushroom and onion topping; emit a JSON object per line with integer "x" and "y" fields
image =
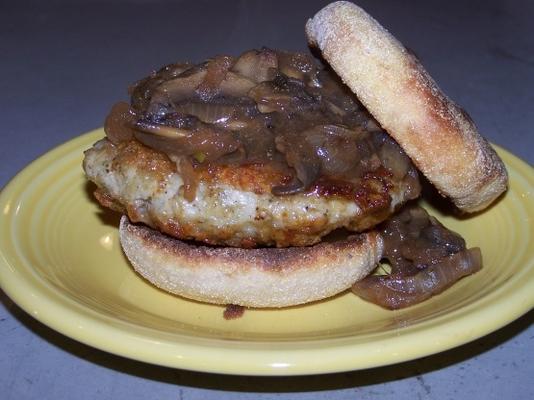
{"x": 265, "y": 106}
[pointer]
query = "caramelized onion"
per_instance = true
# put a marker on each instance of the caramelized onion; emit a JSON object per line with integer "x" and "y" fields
{"x": 258, "y": 142}
{"x": 425, "y": 259}
{"x": 334, "y": 145}
{"x": 330, "y": 150}
{"x": 258, "y": 66}
{"x": 394, "y": 159}
{"x": 399, "y": 291}
{"x": 119, "y": 123}
{"x": 190, "y": 178}
{"x": 299, "y": 155}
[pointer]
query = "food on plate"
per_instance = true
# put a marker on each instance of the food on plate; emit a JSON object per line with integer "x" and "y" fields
{"x": 263, "y": 181}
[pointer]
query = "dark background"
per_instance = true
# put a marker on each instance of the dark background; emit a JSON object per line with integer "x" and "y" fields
{"x": 64, "y": 63}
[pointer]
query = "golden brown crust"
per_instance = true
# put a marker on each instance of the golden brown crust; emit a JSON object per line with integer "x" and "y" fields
{"x": 438, "y": 135}
{"x": 265, "y": 277}
{"x": 108, "y": 201}
{"x": 257, "y": 178}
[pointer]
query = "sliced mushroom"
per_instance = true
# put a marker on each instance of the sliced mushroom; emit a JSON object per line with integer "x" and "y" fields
{"x": 141, "y": 92}
{"x": 283, "y": 94}
{"x": 205, "y": 142}
{"x": 258, "y": 66}
{"x": 297, "y": 65}
{"x": 215, "y": 74}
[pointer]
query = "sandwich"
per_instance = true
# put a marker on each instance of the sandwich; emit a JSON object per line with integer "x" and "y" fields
{"x": 273, "y": 179}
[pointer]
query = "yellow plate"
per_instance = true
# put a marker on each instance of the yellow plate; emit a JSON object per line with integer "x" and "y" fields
{"x": 60, "y": 260}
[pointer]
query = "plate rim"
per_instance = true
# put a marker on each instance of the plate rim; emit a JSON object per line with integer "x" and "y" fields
{"x": 200, "y": 356}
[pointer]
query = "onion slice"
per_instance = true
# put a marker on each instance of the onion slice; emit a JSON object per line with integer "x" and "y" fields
{"x": 398, "y": 291}
{"x": 119, "y": 123}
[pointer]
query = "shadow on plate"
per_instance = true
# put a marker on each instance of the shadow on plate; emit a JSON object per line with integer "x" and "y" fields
{"x": 260, "y": 384}
{"x": 106, "y": 215}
